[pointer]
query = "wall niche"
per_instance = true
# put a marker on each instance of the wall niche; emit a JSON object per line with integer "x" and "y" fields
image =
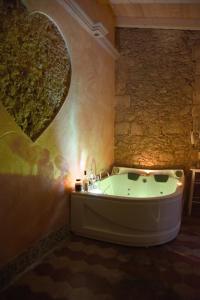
{"x": 35, "y": 67}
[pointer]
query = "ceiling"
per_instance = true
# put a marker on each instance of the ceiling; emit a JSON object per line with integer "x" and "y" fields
{"x": 175, "y": 14}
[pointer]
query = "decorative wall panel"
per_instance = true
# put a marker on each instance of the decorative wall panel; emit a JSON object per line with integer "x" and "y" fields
{"x": 35, "y": 69}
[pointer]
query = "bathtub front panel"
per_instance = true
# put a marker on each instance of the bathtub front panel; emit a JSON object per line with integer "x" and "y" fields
{"x": 134, "y": 222}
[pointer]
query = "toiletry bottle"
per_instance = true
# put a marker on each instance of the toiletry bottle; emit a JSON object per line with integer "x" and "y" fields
{"x": 85, "y": 182}
{"x": 78, "y": 185}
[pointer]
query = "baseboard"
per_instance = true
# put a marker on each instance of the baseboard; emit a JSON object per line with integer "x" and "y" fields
{"x": 31, "y": 256}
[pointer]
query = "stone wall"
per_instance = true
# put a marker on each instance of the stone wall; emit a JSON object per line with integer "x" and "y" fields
{"x": 35, "y": 68}
{"x": 196, "y": 100}
{"x": 155, "y": 87}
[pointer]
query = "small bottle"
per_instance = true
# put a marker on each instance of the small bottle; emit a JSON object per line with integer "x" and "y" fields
{"x": 85, "y": 182}
{"x": 78, "y": 185}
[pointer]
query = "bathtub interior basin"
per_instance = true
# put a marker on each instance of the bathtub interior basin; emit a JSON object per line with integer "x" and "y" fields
{"x": 139, "y": 183}
{"x": 131, "y": 207}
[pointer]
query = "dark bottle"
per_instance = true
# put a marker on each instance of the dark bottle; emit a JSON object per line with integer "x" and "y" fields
{"x": 78, "y": 185}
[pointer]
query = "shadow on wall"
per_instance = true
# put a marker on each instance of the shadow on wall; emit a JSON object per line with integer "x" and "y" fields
{"x": 33, "y": 194}
{"x": 28, "y": 158}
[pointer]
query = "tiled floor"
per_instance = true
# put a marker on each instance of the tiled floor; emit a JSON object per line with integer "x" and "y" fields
{"x": 83, "y": 269}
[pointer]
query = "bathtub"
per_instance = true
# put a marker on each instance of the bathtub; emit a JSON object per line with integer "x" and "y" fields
{"x": 131, "y": 207}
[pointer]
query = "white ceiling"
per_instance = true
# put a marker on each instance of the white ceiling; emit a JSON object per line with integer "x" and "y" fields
{"x": 173, "y": 14}
{"x": 155, "y": 1}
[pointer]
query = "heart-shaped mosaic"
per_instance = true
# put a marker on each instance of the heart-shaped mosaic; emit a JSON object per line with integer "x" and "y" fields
{"x": 35, "y": 68}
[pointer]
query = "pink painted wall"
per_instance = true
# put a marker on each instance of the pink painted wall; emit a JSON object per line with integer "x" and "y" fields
{"x": 35, "y": 177}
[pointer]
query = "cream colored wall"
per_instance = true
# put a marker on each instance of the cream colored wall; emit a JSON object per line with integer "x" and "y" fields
{"x": 34, "y": 176}
{"x": 100, "y": 11}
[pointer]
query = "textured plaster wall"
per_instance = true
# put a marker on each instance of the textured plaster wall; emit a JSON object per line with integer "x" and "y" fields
{"x": 34, "y": 175}
{"x": 155, "y": 88}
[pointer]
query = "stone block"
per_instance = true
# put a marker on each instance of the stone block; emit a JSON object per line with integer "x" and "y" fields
{"x": 196, "y": 52}
{"x": 197, "y": 68}
{"x": 166, "y": 157}
{"x": 186, "y": 110}
{"x": 122, "y": 128}
{"x": 154, "y": 129}
{"x": 180, "y": 155}
{"x": 172, "y": 128}
{"x": 130, "y": 116}
{"x": 196, "y": 126}
{"x": 196, "y": 98}
{"x": 119, "y": 117}
{"x": 197, "y": 84}
{"x": 196, "y": 110}
{"x": 123, "y": 102}
{"x": 136, "y": 129}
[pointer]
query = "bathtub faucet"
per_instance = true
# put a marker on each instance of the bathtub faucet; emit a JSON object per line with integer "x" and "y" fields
{"x": 92, "y": 179}
{"x": 103, "y": 172}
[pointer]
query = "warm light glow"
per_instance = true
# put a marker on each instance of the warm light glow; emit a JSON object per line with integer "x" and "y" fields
{"x": 179, "y": 183}
{"x": 65, "y": 182}
{"x": 83, "y": 160}
{"x": 96, "y": 191}
{"x": 147, "y": 172}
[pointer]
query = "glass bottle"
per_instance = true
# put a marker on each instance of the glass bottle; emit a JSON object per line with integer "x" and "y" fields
{"x": 85, "y": 182}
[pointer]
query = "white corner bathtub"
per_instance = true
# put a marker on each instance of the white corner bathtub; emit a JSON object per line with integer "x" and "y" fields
{"x": 131, "y": 207}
